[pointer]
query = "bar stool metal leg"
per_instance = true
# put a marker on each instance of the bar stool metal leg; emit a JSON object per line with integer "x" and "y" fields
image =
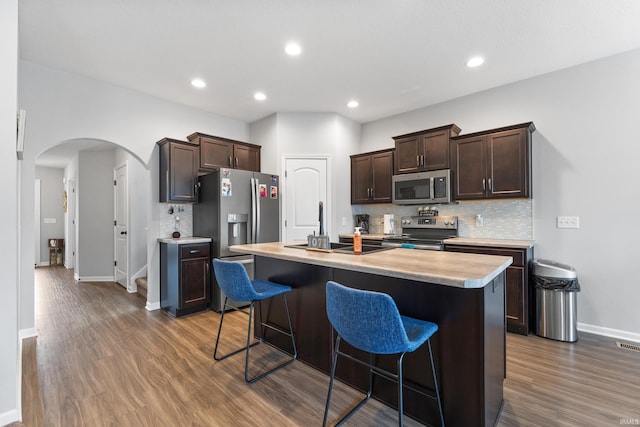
{"x": 263, "y": 326}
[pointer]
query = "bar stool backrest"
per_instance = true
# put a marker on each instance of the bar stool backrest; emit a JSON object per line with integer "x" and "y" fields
{"x": 367, "y": 320}
{"x": 234, "y": 280}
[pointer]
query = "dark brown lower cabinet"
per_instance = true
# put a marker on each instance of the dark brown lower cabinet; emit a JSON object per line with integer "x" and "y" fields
{"x": 184, "y": 277}
{"x": 469, "y": 347}
{"x": 519, "y": 310}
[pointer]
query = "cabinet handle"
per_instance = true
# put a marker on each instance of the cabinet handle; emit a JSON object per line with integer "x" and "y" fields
{"x": 194, "y": 251}
{"x": 372, "y": 193}
{"x": 422, "y": 160}
{"x": 484, "y": 184}
{"x": 236, "y": 162}
{"x": 490, "y": 186}
{"x": 418, "y": 160}
{"x": 230, "y": 164}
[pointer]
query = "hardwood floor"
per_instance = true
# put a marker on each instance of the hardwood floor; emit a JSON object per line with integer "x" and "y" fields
{"x": 101, "y": 359}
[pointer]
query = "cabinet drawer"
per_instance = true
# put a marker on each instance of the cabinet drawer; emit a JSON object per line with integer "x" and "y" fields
{"x": 196, "y": 250}
{"x": 517, "y": 255}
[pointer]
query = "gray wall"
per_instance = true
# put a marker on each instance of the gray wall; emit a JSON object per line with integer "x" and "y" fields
{"x": 9, "y": 217}
{"x": 313, "y": 134}
{"x": 94, "y": 254}
{"x": 585, "y": 164}
{"x": 51, "y": 190}
{"x": 63, "y": 107}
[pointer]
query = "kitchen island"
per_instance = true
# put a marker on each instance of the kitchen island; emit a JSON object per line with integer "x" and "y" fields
{"x": 462, "y": 293}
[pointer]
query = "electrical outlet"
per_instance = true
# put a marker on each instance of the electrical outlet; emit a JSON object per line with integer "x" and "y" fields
{"x": 568, "y": 222}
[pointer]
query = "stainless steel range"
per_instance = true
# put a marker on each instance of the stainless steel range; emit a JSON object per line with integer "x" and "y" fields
{"x": 424, "y": 232}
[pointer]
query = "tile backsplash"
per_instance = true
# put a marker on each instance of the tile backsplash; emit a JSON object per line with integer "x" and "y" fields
{"x": 501, "y": 219}
{"x": 181, "y": 219}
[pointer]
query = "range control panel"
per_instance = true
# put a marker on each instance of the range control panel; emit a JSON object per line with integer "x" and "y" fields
{"x": 444, "y": 222}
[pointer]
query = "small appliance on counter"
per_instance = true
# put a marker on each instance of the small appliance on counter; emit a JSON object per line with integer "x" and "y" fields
{"x": 387, "y": 224}
{"x": 362, "y": 221}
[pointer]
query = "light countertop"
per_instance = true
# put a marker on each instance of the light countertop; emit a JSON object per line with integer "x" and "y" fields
{"x": 497, "y": 243}
{"x": 455, "y": 269}
{"x": 184, "y": 240}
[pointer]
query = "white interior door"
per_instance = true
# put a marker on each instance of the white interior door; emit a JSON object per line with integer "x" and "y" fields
{"x": 121, "y": 226}
{"x": 70, "y": 258}
{"x": 36, "y": 223}
{"x": 306, "y": 185}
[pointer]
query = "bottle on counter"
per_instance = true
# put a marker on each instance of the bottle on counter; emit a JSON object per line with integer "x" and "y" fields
{"x": 357, "y": 242}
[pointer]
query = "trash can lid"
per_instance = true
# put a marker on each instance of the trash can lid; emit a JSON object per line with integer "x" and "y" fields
{"x": 547, "y": 268}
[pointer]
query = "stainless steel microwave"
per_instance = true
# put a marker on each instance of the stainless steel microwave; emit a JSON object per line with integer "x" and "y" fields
{"x": 422, "y": 188}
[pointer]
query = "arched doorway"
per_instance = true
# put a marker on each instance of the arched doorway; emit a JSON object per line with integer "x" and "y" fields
{"x": 82, "y": 173}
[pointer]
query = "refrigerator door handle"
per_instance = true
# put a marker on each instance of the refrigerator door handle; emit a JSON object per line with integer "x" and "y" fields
{"x": 257, "y": 217}
{"x": 253, "y": 210}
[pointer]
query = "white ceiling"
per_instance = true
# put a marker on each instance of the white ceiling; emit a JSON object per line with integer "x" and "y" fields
{"x": 392, "y": 56}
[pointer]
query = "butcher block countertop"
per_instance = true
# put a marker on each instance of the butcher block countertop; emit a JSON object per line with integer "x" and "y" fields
{"x": 443, "y": 268}
{"x": 497, "y": 243}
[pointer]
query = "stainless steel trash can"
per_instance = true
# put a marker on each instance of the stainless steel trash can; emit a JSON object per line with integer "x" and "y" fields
{"x": 556, "y": 300}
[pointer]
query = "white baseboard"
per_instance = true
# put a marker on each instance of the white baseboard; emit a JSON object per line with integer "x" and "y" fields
{"x": 608, "y": 332}
{"x": 27, "y": 333}
{"x": 43, "y": 264}
{"x": 96, "y": 279}
{"x": 152, "y": 306}
{"x": 9, "y": 417}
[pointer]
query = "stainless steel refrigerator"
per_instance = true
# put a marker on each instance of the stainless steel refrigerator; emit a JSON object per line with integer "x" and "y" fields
{"x": 236, "y": 207}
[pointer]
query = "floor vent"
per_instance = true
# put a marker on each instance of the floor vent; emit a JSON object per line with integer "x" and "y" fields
{"x": 632, "y": 347}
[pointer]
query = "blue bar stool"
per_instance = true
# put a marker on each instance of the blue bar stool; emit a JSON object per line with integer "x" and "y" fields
{"x": 235, "y": 283}
{"x": 370, "y": 321}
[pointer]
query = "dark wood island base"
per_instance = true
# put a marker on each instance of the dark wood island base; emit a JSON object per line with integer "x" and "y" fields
{"x": 469, "y": 347}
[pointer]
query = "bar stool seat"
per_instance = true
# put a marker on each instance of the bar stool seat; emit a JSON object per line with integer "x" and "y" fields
{"x": 370, "y": 322}
{"x": 235, "y": 284}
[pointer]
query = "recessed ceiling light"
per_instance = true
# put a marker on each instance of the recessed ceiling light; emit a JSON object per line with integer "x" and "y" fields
{"x": 353, "y": 104}
{"x": 293, "y": 49}
{"x": 259, "y": 96}
{"x": 475, "y": 61}
{"x": 199, "y": 83}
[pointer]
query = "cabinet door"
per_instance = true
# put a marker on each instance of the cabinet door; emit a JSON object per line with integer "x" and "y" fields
{"x": 194, "y": 281}
{"x": 215, "y": 154}
{"x": 381, "y": 172}
{"x": 508, "y": 164}
{"x": 469, "y": 181}
{"x": 183, "y": 172}
{"x": 246, "y": 157}
{"x": 516, "y": 300}
{"x": 360, "y": 179}
{"x": 408, "y": 154}
{"x": 436, "y": 151}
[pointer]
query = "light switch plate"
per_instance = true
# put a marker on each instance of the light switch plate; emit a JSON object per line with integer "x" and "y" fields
{"x": 49, "y": 221}
{"x": 568, "y": 222}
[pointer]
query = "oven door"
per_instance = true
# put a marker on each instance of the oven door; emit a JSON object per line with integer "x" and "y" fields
{"x": 412, "y": 245}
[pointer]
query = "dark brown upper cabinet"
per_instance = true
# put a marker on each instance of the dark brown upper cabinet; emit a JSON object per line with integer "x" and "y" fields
{"x": 371, "y": 177}
{"x": 179, "y": 162}
{"x": 493, "y": 164}
{"x": 425, "y": 150}
{"x": 217, "y": 152}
